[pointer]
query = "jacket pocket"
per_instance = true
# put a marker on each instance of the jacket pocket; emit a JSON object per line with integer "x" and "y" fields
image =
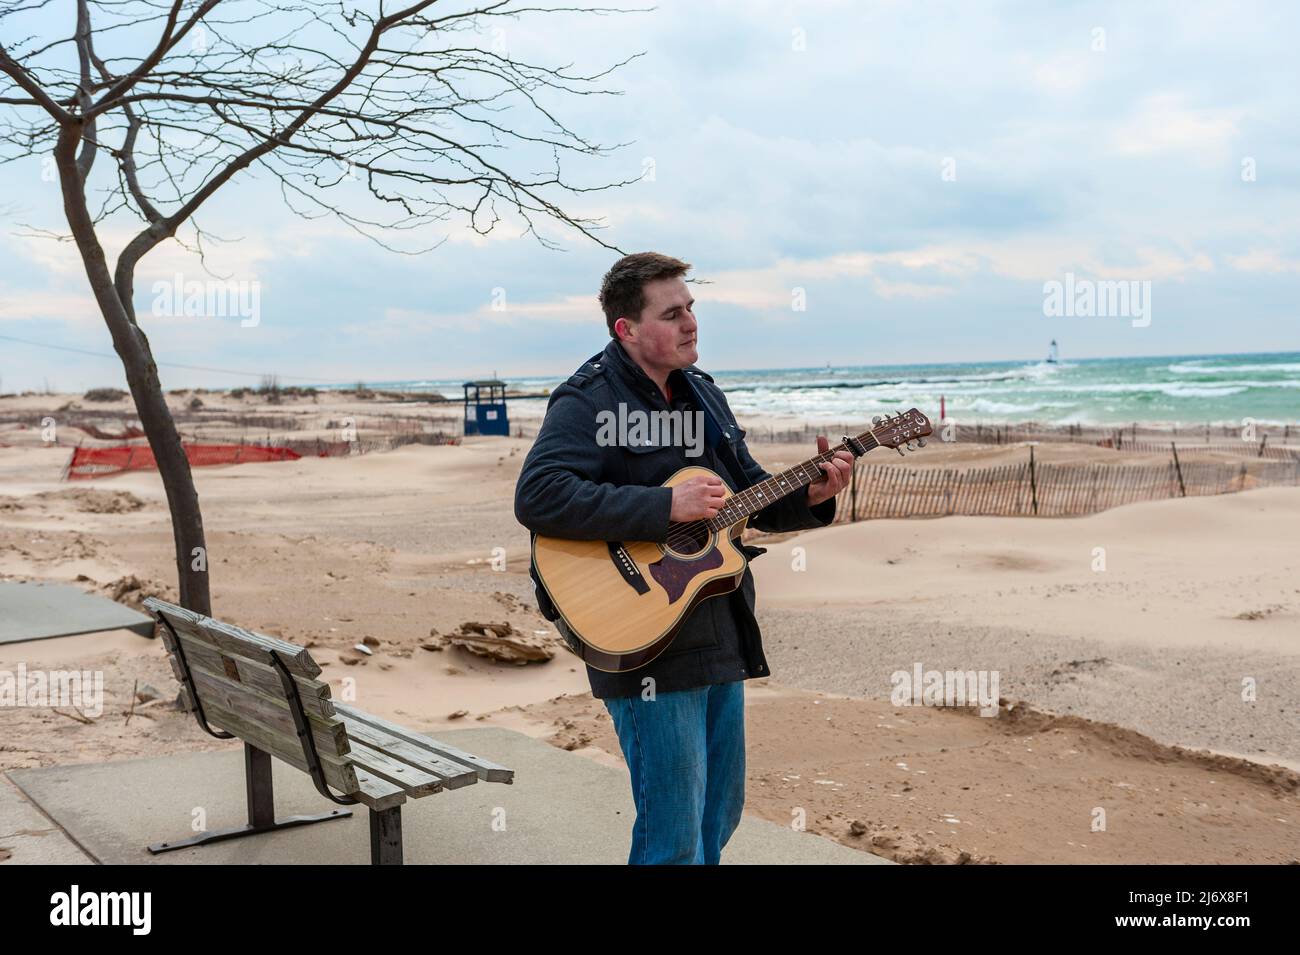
{"x": 651, "y": 465}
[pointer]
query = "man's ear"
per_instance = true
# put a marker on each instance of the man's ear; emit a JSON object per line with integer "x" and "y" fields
{"x": 628, "y": 331}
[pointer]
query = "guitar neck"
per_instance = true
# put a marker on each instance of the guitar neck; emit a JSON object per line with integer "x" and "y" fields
{"x": 753, "y": 499}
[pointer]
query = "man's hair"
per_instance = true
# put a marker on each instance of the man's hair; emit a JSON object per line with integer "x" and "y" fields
{"x": 622, "y": 292}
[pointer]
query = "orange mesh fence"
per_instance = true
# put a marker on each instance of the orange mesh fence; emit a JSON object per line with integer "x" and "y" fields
{"x": 97, "y": 462}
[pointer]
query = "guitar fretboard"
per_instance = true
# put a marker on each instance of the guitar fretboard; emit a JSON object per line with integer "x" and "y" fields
{"x": 754, "y": 499}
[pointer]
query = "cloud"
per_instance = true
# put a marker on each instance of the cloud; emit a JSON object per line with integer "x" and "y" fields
{"x": 399, "y": 322}
{"x": 817, "y": 168}
{"x": 1263, "y": 260}
{"x": 21, "y": 305}
{"x": 1163, "y": 123}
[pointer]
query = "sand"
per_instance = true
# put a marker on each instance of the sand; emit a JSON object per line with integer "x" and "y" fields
{"x": 1122, "y": 687}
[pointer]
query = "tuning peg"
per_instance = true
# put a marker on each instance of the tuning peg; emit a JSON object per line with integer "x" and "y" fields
{"x": 875, "y": 420}
{"x": 920, "y": 442}
{"x": 900, "y": 451}
{"x": 911, "y": 445}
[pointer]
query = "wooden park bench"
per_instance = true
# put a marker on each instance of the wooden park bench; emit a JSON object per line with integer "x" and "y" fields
{"x": 267, "y": 692}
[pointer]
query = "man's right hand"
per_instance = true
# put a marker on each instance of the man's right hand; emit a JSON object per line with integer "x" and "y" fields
{"x": 697, "y": 498}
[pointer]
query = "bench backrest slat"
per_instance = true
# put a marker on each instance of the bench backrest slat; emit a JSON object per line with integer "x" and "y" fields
{"x": 329, "y": 733}
{"x": 315, "y": 694}
{"x": 337, "y": 770}
{"x": 241, "y": 691}
{"x": 236, "y": 641}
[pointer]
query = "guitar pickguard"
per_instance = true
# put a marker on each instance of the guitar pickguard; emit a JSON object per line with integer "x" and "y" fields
{"x": 674, "y": 574}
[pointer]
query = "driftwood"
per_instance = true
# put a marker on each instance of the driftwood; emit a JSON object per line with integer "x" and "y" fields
{"x": 500, "y": 641}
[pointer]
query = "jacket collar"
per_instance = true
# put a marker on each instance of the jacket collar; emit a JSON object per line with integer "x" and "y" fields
{"x": 617, "y": 358}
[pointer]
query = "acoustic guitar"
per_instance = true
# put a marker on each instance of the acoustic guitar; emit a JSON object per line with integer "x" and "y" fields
{"x": 624, "y": 601}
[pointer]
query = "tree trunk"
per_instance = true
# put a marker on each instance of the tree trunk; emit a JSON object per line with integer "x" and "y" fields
{"x": 132, "y": 347}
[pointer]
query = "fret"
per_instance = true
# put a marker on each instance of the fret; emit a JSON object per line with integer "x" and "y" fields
{"x": 753, "y": 499}
{"x": 770, "y": 490}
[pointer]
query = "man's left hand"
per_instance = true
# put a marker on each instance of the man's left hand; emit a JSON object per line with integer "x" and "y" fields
{"x": 837, "y": 474}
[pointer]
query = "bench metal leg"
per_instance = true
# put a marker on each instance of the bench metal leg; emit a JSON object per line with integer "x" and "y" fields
{"x": 258, "y": 787}
{"x": 261, "y": 809}
{"x": 386, "y": 836}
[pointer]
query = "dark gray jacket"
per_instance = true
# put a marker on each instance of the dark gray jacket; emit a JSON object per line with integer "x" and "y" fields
{"x": 571, "y": 486}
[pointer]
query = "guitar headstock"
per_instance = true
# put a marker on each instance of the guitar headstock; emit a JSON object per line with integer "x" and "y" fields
{"x": 902, "y": 430}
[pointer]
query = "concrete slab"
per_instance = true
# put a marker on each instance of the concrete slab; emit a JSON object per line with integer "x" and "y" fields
{"x": 28, "y": 837}
{"x": 38, "y": 611}
{"x": 562, "y": 808}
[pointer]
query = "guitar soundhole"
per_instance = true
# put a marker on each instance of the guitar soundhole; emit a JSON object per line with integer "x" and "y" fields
{"x": 687, "y": 540}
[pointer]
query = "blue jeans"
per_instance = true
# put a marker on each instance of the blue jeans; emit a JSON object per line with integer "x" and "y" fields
{"x": 685, "y": 751}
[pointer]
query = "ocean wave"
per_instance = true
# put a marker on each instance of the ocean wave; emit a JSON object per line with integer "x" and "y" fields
{"x": 1200, "y": 368}
{"x": 1045, "y": 369}
{"x": 985, "y": 406}
{"x": 1171, "y": 389}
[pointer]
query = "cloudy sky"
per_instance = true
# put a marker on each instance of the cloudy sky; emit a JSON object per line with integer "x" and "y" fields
{"x": 859, "y": 183}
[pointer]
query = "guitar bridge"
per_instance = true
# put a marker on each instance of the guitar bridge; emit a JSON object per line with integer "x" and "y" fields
{"x": 627, "y": 567}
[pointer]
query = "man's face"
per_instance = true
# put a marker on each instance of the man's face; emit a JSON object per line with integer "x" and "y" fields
{"x": 666, "y": 335}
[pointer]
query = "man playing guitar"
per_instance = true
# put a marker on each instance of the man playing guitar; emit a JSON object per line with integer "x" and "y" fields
{"x": 679, "y": 718}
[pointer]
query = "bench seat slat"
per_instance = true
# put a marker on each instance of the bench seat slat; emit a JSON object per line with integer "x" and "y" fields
{"x": 486, "y": 770}
{"x": 411, "y": 780}
{"x": 453, "y": 775}
{"x": 378, "y": 794}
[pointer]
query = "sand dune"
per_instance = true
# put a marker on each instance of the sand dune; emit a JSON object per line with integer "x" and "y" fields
{"x": 1196, "y": 596}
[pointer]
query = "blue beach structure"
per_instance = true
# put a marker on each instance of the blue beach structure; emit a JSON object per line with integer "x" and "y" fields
{"x": 485, "y": 408}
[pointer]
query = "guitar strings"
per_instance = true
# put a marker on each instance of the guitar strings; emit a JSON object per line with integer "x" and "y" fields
{"x": 684, "y": 533}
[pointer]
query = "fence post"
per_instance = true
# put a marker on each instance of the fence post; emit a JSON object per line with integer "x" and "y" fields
{"x": 1033, "y": 480}
{"x": 1262, "y": 442}
{"x": 853, "y": 489}
{"x": 1179, "y": 468}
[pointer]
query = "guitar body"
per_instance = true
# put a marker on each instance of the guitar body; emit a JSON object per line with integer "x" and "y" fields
{"x": 626, "y": 600}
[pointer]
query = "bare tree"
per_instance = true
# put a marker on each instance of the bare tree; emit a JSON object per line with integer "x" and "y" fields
{"x": 411, "y": 102}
